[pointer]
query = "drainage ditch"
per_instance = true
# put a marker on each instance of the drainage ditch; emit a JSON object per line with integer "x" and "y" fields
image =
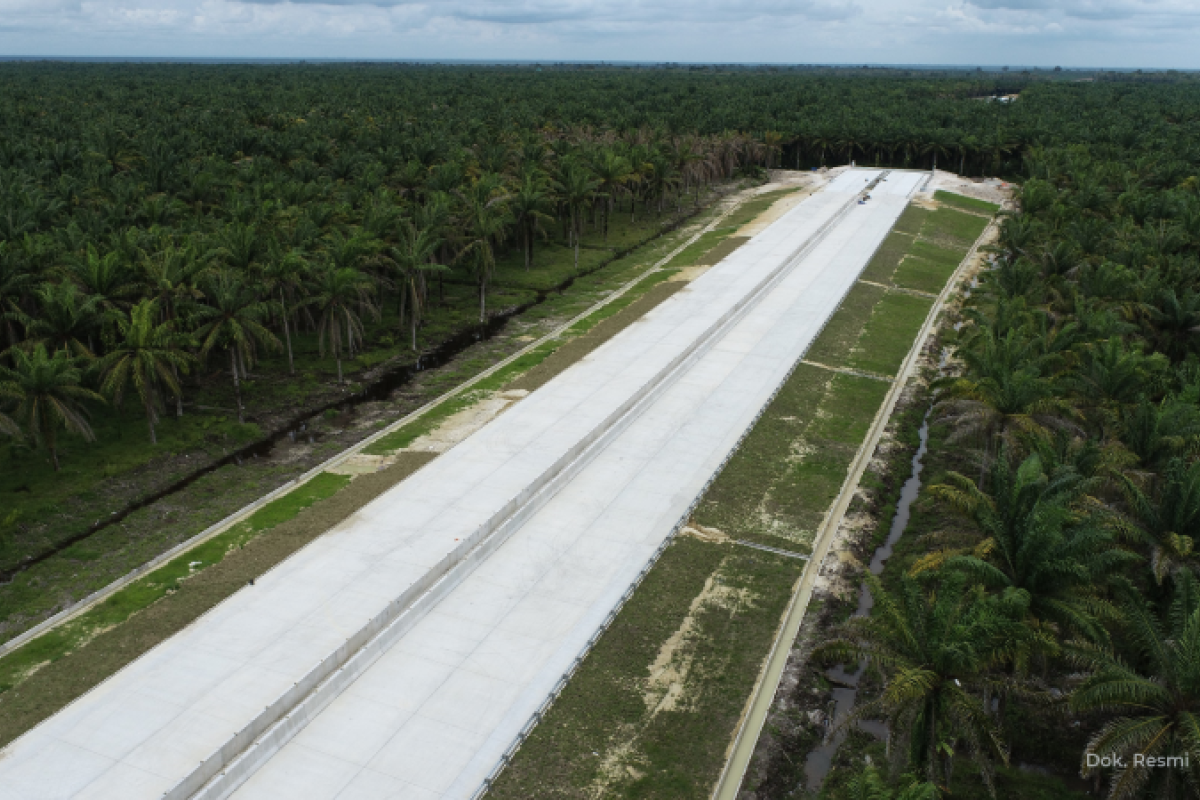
{"x": 820, "y": 760}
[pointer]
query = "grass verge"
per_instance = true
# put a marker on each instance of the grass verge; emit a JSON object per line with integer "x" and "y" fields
{"x": 703, "y": 616}
{"x": 883, "y": 264}
{"x": 121, "y": 605}
{"x": 844, "y": 329}
{"x": 966, "y": 203}
{"x": 889, "y": 332}
{"x": 778, "y": 486}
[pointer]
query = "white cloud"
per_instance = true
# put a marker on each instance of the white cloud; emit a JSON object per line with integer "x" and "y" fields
{"x": 1047, "y": 32}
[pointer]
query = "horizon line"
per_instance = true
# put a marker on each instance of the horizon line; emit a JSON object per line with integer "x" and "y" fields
{"x": 249, "y": 60}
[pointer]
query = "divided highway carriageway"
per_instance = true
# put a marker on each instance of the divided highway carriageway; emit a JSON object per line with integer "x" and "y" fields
{"x": 403, "y": 653}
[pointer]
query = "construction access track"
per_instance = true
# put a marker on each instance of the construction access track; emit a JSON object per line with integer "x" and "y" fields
{"x": 404, "y": 653}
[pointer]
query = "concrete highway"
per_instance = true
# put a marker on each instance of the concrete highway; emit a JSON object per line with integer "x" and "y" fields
{"x": 401, "y": 654}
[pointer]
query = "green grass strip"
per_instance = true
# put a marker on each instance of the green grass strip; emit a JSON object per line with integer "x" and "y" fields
{"x": 911, "y": 220}
{"x": 845, "y": 327}
{"x": 58, "y": 642}
{"x": 691, "y": 254}
{"x": 405, "y": 435}
{"x": 615, "y": 731}
{"x": 927, "y": 266}
{"x": 777, "y": 487}
{"x": 938, "y": 254}
{"x": 723, "y": 249}
{"x": 747, "y": 211}
{"x": 714, "y": 245}
{"x": 889, "y": 333}
{"x": 624, "y": 301}
{"x": 959, "y": 226}
{"x": 922, "y": 274}
{"x": 966, "y": 203}
{"x": 883, "y": 264}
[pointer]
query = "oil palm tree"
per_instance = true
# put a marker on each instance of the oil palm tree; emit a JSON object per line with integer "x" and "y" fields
{"x": 663, "y": 179}
{"x": 822, "y": 142}
{"x": 871, "y": 785}
{"x": 1001, "y": 407}
{"x": 340, "y": 295}
{"x": 1038, "y": 537}
{"x": 936, "y": 147}
{"x": 934, "y": 649}
{"x": 150, "y": 355}
{"x": 109, "y": 282}
{"x": 486, "y": 219}
{"x": 999, "y": 146}
{"x": 1166, "y": 518}
{"x": 1176, "y": 322}
{"x": 49, "y": 395}
{"x": 171, "y": 277}
{"x": 285, "y": 275}
{"x": 848, "y": 144}
{"x": 238, "y": 245}
{"x": 577, "y": 187}
{"x": 1111, "y": 377}
{"x": 350, "y": 252}
{"x": 612, "y": 172}
{"x": 772, "y": 148}
{"x": 966, "y": 146}
{"x": 1155, "y": 692}
{"x": 233, "y": 319}
{"x": 66, "y": 319}
{"x": 414, "y": 258}
{"x": 532, "y": 203}
{"x": 15, "y": 282}
{"x": 1156, "y": 432}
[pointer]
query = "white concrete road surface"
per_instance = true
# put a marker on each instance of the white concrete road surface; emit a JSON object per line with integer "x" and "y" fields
{"x": 400, "y": 655}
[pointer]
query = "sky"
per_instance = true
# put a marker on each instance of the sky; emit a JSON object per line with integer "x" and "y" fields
{"x": 1047, "y": 33}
